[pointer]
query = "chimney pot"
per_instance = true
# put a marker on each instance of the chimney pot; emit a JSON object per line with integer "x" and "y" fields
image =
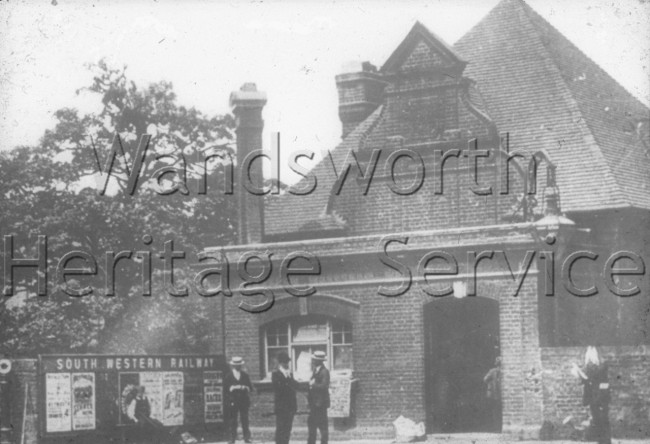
{"x": 248, "y": 96}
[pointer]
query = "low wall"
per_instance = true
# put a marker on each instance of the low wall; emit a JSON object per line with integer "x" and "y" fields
{"x": 629, "y": 377}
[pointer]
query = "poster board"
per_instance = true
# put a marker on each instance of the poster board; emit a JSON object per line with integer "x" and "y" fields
{"x": 58, "y": 408}
{"x": 213, "y": 395}
{"x": 340, "y": 397}
{"x": 94, "y": 393}
{"x": 172, "y": 398}
{"x": 83, "y": 401}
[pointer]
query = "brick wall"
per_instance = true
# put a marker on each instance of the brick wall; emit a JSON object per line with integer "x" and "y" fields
{"x": 389, "y": 353}
{"x": 629, "y": 373}
{"x": 387, "y": 212}
{"x": 421, "y": 112}
{"x": 522, "y": 401}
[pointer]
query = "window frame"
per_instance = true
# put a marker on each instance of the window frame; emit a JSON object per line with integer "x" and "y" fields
{"x": 289, "y": 324}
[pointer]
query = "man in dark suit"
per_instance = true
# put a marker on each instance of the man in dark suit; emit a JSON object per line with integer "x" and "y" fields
{"x": 284, "y": 388}
{"x": 319, "y": 399}
{"x": 237, "y": 386}
{"x": 139, "y": 411}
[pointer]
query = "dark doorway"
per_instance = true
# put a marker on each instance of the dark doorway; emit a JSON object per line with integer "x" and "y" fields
{"x": 462, "y": 344}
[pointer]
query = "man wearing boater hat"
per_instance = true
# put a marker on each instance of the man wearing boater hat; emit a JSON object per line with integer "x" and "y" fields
{"x": 237, "y": 385}
{"x": 318, "y": 398}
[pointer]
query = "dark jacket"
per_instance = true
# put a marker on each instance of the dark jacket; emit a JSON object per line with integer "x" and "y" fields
{"x": 142, "y": 408}
{"x": 596, "y": 386}
{"x": 239, "y": 397}
{"x": 319, "y": 394}
{"x": 285, "y": 392}
{"x": 493, "y": 383}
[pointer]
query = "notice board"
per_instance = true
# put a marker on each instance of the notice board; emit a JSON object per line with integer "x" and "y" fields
{"x": 340, "y": 397}
{"x": 93, "y": 393}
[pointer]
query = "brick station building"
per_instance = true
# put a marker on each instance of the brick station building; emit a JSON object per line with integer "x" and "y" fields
{"x": 512, "y": 83}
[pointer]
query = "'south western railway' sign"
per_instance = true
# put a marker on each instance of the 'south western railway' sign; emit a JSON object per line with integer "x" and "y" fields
{"x": 92, "y": 393}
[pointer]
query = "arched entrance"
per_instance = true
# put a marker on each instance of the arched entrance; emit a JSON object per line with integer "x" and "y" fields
{"x": 462, "y": 343}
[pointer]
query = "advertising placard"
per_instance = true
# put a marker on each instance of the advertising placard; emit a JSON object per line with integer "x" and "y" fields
{"x": 57, "y": 403}
{"x": 172, "y": 398}
{"x": 95, "y": 393}
{"x": 213, "y": 396}
{"x": 83, "y": 401}
{"x": 153, "y": 384}
{"x": 340, "y": 397}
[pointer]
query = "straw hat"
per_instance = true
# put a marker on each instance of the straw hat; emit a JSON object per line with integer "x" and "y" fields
{"x": 236, "y": 360}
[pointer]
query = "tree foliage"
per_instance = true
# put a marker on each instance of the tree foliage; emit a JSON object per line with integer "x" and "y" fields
{"x": 51, "y": 189}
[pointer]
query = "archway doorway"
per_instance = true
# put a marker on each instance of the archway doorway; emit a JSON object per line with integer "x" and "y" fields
{"x": 462, "y": 344}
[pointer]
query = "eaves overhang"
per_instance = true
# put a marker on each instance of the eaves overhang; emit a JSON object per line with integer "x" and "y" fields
{"x": 517, "y": 236}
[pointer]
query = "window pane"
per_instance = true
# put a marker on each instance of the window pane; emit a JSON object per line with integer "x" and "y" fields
{"x": 342, "y": 358}
{"x": 341, "y": 332}
{"x": 310, "y": 333}
{"x": 303, "y": 336}
{"x": 277, "y": 336}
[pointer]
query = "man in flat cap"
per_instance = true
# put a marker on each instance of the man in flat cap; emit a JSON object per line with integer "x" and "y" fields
{"x": 237, "y": 385}
{"x": 318, "y": 398}
{"x": 284, "y": 388}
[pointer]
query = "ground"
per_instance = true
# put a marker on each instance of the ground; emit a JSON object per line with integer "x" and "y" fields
{"x": 477, "y": 439}
{"x": 449, "y": 439}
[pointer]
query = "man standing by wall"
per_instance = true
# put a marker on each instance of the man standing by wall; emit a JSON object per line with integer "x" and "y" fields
{"x": 493, "y": 393}
{"x": 284, "y": 388}
{"x": 139, "y": 411}
{"x": 319, "y": 399}
{"x": 596, "y": 395}
{"x": 238, "y": 386}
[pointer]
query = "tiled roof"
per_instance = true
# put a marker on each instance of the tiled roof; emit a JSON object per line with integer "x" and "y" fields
{"x": 288, "y": 214}
{"x": 547, "y": 94}
{"x": 537, "y": 86}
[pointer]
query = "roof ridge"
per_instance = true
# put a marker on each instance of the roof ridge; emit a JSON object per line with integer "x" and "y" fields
{"x": 537, "y": 21}
{"x": 430, "y": 38}
{"x": 538, "y": 17}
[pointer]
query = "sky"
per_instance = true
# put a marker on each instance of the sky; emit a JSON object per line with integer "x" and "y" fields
{"x": 291, "y": 49}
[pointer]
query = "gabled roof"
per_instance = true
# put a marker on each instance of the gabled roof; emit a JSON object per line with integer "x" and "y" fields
{"x": 549, "y": 95}
{"x": 541, "y": 89}
{"x": 419, "y": 33}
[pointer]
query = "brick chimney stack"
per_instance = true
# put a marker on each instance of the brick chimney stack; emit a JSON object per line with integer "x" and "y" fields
{"x": 247, "y": 104}
{"x": 360, "y": 93}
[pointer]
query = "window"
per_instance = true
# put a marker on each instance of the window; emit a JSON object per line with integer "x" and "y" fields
{"x": 341, "y": 346}
{"x": 300, "y": 337}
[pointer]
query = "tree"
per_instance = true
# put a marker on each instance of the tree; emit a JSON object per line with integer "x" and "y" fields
{"x": 52, "y": 189}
